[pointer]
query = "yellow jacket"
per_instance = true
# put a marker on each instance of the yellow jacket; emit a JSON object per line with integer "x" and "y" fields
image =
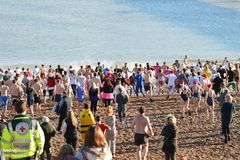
{"x": 22, "y": 137}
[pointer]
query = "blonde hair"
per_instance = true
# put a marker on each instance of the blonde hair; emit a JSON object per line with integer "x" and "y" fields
{"x": 109, "y": 110}
{"x": 171, "y": 119}
{"x": 228, "y": 98}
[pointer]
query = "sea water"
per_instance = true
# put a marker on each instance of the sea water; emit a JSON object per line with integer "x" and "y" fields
{"x": 115, "y": 31}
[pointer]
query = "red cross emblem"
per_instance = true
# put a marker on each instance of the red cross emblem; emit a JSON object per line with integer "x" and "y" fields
{"x": 22, "y": 129}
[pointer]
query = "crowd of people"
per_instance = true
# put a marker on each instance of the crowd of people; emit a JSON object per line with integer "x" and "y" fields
{"x": 25, "y": 91}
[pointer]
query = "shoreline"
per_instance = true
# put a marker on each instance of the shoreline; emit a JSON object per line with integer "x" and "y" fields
{"x": 191, "y": 62}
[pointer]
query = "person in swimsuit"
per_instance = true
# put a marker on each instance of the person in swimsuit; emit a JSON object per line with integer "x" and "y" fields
{"x": 184, "y": 90}
{"x": 141, "y": 125}
{"x": 196, "y": 95}
{"x": 160, "y": 81}
{"x": 210, "y": 95}
{"x": 4, "y": 91}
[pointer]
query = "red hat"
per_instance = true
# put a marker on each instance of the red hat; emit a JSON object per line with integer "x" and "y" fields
{"x": 181, "y": 81}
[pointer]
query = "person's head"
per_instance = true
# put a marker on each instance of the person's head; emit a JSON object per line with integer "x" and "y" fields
{"x": 98, "y": 119}
{"x": 86, "y": 106}
{"x": 109, "y": 111}
{"x": 3, "y": 83}
{"x": 141, "y": 110}
{"x": 228, "y": 98}
{"x": 20, "y": 106}
{"x": 94, "y": 137}
{"x": 171, "y": 119}
{"x": 65, "y": 151}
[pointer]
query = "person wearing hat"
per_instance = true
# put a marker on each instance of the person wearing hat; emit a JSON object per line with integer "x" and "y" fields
{"x": 111, "y": 134}
{"x": 210, "y": 105}
{"x": 196, "y": 90}
{"x": 49, "y": 132}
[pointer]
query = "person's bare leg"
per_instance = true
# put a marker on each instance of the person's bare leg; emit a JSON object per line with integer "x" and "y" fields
{"x": 145, "y": 151}
{"x": 207, "y": 111}
{"x": 212, "y": 111}
{"x": 31, "y": 110}
{"x": 183, "y": 108}
{"x": 139, "y": 152}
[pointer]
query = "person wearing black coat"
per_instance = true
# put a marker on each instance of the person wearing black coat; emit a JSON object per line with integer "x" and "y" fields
{"x": 170, "y": 138}
{"x": 63, "y": 109}
{"x": 49, "y": 132}
{"x": 70, "y": 128}
{"x": 227, "y": 112}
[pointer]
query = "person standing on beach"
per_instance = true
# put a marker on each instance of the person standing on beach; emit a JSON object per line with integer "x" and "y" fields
{"x": 170, "y": 132}
{"x": 184, "y": 91}
{"x": 141, "y": 126}
{"x": 15, "y": 91}
{"x": 139, "y": 83}
{"x": 37, "y": 88}
{"x": 148, "y": 85}
{"x": 237, "y": 76}
{"x": 171, "y": 78}
{"x": 196, "y": 90}
{"x": 4, "y": 92}
{"x": 227, "y": 112}
{"x": 210, "y": 104}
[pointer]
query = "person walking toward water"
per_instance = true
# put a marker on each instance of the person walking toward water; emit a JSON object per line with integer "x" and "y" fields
{"x": 141, "y": 126}
{"x": 170, "y": 138}
{"x": 4, "y": 92}
{"x": 184, "y": 91}
{"x": 210, "y": 104}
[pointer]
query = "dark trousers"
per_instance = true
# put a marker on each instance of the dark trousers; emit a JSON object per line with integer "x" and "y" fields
{"x": 226, "y": 132}
{"x": 107, "y": 102}
{"x": 94, "y": 107}
{"x": 72, "y": 140}
{"x": 74, "y": 88}
{"x": 170, "y": 155}
{"x": 61, "y": 118}
{"x": 48, "y": 152}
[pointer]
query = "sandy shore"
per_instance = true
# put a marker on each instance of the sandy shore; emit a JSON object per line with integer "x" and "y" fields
{"x": 198, "y": 138}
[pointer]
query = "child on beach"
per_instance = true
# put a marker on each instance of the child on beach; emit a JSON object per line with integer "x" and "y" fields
{"x": 121, "y": 100}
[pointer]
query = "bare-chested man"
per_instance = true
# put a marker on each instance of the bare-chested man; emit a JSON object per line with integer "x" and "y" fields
{"x": 4, "y": 90}
{"x": 58, "y": 91}
{"x": 15, "y": 92}
{"x": 141, "y": 126}
{"x": 94, "y": 81}
{"x": 148, "y": 85}
{"x": 37, "y": 88}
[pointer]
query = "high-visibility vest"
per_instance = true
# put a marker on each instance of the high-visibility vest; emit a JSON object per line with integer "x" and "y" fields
{"x": 22, "y": 137}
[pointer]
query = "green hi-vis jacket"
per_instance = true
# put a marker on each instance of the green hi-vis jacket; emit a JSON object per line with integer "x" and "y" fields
{"x": 22, "y": 137}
